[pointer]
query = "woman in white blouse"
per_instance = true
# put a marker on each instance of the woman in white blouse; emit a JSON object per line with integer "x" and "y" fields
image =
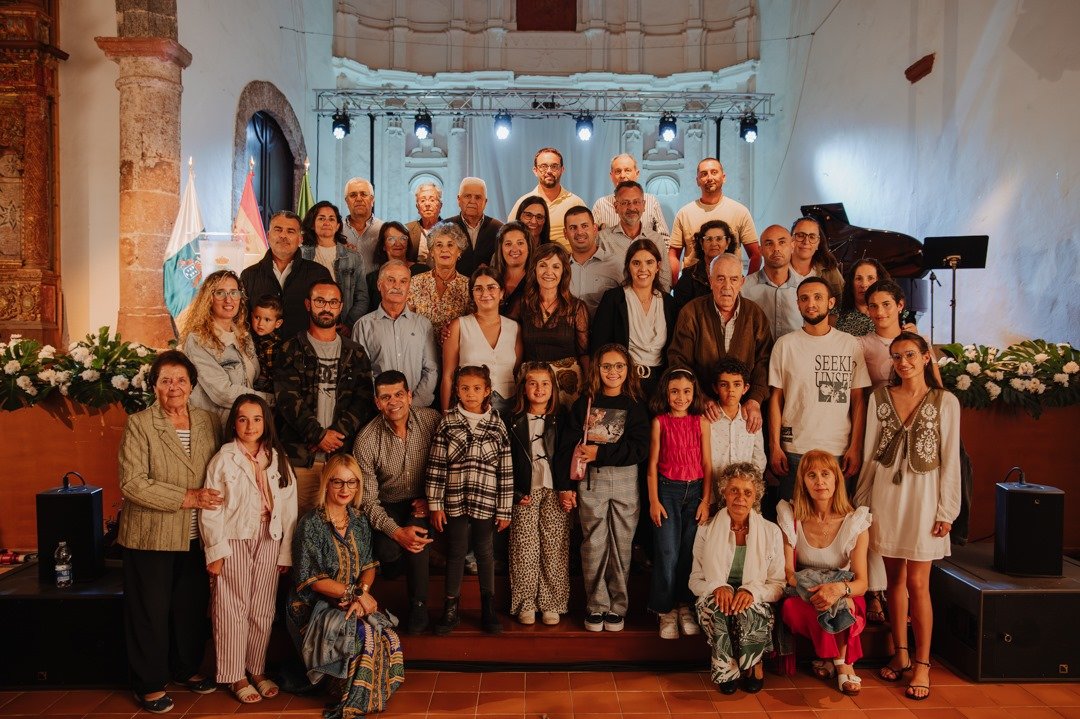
{"x": 483, "y": 338}
{"x": 738, "y": 571}
{"x": 637, "y": 314}
{"x": 215, "y": 337}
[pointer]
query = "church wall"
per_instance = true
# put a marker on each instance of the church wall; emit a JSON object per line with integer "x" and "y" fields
{"x": 980, "y": 146}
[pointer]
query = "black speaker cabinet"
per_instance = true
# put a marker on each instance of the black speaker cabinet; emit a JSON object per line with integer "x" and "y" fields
{"x": 993, "y": 627}
{"x": 1029, "y": 529}
{"x": 71, "y": 514}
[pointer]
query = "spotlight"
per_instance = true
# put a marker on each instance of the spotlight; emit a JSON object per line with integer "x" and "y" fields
{"x": 667, "y": 128}
{"x": 340, "y": 124}
{"x": 585, "y": 127}
{"x": 422, "y": 128}
{"x": 748, "y": 128}
{"x": 502, "y": 125}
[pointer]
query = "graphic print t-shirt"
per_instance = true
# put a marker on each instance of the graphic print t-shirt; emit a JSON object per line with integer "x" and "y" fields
{"x": 817, "y": 375}
{"x": 605, "y": 426}
{"x": 328, "y": 353}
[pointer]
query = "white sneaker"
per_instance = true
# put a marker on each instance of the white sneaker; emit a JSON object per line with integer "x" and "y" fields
{"x": 550, "y": 618}
{"x": 668, "y": 628}
{"x": 527, "y": 617}
{"x": 687, "y": 623}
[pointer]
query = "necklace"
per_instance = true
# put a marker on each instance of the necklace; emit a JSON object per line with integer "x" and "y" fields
{"x": 339, "y": 525}
{"x": 740, "y": 530}
{"x": 444, "y": 280}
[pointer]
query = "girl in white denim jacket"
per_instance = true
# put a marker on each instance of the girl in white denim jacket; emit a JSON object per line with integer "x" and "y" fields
{"x": 248, "y": 542}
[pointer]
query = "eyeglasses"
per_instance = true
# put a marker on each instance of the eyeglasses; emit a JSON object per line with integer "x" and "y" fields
{"x": 631, "y": 203}
{"x": 397, "y": 239}
{"x": 531, "y": 216}
{"x": 552, "y": 166}
{"x": 714, "y": 238}
{"x": 806, "y": 237}
{"x": 319, "y": 303}
{"x": 613, "y": 367}
{"x": 362, "y": 195}
{"x": 231, "y": 294}
{"x": 341, "y": 483}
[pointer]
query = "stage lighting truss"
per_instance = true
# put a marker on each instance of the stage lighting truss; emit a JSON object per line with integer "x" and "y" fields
{"x": 340, "y": 124}
{"x": 422, "y": 126}
{"x": 584, "y": 107}
{"x": 748, "y": 128}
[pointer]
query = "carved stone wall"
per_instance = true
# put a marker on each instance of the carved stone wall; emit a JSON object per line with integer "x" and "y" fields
{"x": 29, "y": 283}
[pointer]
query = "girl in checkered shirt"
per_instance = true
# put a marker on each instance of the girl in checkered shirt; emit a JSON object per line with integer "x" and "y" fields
{"x": 470, "y": 490}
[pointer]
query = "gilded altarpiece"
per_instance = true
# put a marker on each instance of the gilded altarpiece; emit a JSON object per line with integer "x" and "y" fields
{"x": 29, "y": 241}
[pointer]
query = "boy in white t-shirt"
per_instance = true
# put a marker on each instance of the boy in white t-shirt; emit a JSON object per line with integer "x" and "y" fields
{"x": 817, "y": 375}
{"x": 730, "y": 441}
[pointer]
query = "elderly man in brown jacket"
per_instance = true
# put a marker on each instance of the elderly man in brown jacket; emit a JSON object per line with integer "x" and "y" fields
{"x": 724, "y": 324}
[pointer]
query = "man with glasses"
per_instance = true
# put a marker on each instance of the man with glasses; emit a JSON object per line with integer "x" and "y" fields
{"x": 478, "y": 227}
{"x": 283, "y": 273}
{"x": 630, "y": 205}
{"x": 361, "y": 227}
{"x": 322, "y": 382}
{"x": 712, "y": 205}
{"x": 548, "y": 168}
{"x": 392, "y": 452}
{"x": 624, "y": 169}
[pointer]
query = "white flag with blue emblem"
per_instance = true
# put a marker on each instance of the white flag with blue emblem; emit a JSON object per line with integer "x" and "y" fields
{"x": 182, "y": 272}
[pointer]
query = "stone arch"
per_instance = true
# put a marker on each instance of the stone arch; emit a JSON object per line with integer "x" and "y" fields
{"x": 662, "y": 186}
{"x": 261, "y": 95}
{"x": 423, "y": 178}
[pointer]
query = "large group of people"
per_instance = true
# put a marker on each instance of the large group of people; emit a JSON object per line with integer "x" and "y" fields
{"x": 369, "y": 385}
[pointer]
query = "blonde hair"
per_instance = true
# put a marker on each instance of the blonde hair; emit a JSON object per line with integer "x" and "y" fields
{"x": 801, "y": 502}
{"x": 199, "y": 320}
{"x": 348, "y": 462}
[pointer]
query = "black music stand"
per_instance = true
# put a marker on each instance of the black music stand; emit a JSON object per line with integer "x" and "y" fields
{"x": 958, "y": 252}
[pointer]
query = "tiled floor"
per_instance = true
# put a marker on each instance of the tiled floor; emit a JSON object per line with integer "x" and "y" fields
{"x": 605, "y": 695}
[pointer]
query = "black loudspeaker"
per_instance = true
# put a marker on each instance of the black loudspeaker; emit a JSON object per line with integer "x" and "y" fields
{"x": 1029, "y": 529}
{"x": 994, "y": 627}
{"x": 73, "y": 515}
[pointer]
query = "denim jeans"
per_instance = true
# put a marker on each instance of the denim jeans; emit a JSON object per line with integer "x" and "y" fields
{"x": 673, "y": 544}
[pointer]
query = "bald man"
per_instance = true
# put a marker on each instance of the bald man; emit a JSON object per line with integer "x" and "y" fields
{"x": 774, "y": 287}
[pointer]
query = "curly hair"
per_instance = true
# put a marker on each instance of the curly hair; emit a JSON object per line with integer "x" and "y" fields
{"x": 199, "y": 320}
{"x": 481, "y": 371}
{"x": 699, "y": 238}
{"x": 740, "y": 470}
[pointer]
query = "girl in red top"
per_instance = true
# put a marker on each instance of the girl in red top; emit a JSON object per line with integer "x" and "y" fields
{"x": 679, "y": 497}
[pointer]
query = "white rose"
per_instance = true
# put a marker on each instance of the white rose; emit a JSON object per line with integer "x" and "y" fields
{"x": 47, "y": 352}
{"x": 141, "y": 352}
{"x": 120, "y": 382}
{"x": 1035, "y": 386}
{"x": 1041, "y": 357}
{"x": 999, "y": 375}
{"x": 969, "y": 351}
{"x": 993, "y": 390}
{"x": 963, "y": 382}
{"x": 72, "y": 347}
{"x": 1026, "y": 369}
{"x": 64, "y": 389}
{"x": 88, "y": 362}
{"x": 973, "y": 368}
{"x": 12, "y": 367}
{"x": 1071, "y": 367}
{"x": 80, "y": 354}
{"x": 90, "y": 375}
{"x": 1062, "y": 379}
{"x": 945, "y": 361}
{"x": 1018, "y": 384}
{"x": 24, "y": 383}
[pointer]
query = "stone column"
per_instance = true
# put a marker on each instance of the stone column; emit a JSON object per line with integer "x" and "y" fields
{"x": 150, "y": 164}
{"x": 394, "y": 192}
{"x": 456, "y": 156}
{"x": 29, "y": 279}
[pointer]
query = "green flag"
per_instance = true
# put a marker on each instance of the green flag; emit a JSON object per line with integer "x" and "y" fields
{"x": 305, "y": 201}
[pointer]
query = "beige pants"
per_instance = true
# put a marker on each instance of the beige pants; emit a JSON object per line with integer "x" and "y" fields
{"x": 307, "y": 487}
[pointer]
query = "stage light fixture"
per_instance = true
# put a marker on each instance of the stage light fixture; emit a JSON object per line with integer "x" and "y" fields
{"x": 748, "y": 128}
{"x": 502, "y": 125}
{"x": 422, "y": 127}
{"x": 667, "y": 128}
{"x": 340, "y": 126}
{"x": 585, "y": 127}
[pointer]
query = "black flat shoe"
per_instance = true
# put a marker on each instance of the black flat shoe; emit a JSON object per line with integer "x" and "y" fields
{"x": 206, "y": 685}
{"x": 729, "y": 687}
{"x": 161, "y": 705}
{"x": 752, "y": 684}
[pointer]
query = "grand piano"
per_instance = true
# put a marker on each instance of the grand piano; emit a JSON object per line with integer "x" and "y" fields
{"x": 900, "y": 254}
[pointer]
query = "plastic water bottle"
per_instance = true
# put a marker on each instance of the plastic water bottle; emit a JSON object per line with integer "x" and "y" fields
{"x": 64, "y": 575}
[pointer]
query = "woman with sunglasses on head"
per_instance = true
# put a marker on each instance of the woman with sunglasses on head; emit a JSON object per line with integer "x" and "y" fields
{"x": 216, "y": 338}
{"x": 325, "y": 243}
{"x": 393, "y": 244}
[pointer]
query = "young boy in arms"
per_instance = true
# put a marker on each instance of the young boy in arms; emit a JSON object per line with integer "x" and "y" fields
{"x": 265, "y": 321}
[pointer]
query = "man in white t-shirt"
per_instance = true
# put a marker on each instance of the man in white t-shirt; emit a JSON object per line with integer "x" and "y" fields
{"x": 712, "y": 205}
{"x": 817, "y": 375}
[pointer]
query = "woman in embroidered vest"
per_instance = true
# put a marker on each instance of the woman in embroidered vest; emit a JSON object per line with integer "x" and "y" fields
{"x": 825, "y": 542}
{"x": 911, "y": 482}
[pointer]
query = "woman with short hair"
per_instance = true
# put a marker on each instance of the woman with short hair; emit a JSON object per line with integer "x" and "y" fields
{"x": 442, "y": 294}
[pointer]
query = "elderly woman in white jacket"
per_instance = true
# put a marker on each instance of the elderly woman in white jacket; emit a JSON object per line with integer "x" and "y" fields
{"x": 738, "y": 571}
{"x": 248, "y": 542}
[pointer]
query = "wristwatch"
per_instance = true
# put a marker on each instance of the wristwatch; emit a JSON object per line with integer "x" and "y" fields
{"x": 847, "y": 589}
